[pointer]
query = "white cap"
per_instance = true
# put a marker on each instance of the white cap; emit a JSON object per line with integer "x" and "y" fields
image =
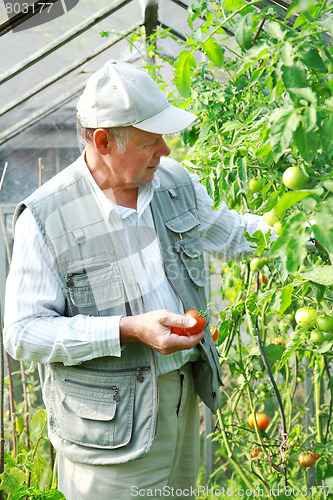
{"x": 121, "y": 94}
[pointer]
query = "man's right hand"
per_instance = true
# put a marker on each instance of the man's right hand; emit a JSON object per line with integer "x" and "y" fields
{"x": 153, "y": 329}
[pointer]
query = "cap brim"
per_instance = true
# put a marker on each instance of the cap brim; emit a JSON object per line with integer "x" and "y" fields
{"x": 168, "y": 121}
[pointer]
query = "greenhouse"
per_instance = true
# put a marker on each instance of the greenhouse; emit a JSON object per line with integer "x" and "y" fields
{"x": 199, "y": 284}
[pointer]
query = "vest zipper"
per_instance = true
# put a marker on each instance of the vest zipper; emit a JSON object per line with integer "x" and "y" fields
{"x": 138, "y": 370}
{"x": 70, "y": 282}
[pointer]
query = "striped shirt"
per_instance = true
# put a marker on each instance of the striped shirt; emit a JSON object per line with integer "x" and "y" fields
{"x": 35, "y": 328}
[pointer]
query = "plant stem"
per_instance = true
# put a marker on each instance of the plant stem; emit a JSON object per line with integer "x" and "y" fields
{"x": 317, "y": 400}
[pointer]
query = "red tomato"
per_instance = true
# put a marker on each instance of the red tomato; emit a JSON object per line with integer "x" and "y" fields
{"x": 201, "y": 322}
{"x": 215, "y": 333}
{"x": 198, "y": 327}
{"x": 254, "y": 453}
{"x": 178, "y": 330}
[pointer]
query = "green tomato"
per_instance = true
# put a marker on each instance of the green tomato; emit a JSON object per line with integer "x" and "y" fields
{"x": 262, "y": 387}
{"x": 305, "y": 317}
{"x": 271, "y": 218}
{"x": 256, "y": 264}
{"x": 256, "y": 184}
{"x": 278, "y": 227}
{"x": 328, "y": 336}
{"x": 294, "y": 178}
{"x": 284, "y": 325}
{"x": 325, "y": 323}
{"x": 317, "y": 336}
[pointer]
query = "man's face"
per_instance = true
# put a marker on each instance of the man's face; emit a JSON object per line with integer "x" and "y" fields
{"x": 141, "y": 159}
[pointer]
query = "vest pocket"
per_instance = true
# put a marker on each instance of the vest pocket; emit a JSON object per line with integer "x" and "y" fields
{"x": 98, "y": 288}
{"x": 94, "y": 411}
{"x": 188, "y": 245}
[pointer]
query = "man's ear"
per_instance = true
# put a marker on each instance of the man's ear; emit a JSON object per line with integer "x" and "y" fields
{"x": 102, "y": 141}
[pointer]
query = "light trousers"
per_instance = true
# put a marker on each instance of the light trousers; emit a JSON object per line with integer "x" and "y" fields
{"x": 170, "y": 468}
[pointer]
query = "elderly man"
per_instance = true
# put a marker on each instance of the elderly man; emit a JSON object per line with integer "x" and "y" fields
{"x": 108, "y": 256}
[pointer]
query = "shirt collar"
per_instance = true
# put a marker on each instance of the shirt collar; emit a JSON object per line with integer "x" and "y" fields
{"x": 144, "y": 197}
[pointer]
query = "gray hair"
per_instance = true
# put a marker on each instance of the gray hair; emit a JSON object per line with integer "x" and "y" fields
{"x": 121, "y": 134}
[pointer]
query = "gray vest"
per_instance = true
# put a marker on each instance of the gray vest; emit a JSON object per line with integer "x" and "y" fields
{"x": 104, "y": 411}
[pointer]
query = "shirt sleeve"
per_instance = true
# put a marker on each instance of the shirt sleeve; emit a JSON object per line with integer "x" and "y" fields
{"x": 35, "y": 328}
{"x": 222, "y": 230}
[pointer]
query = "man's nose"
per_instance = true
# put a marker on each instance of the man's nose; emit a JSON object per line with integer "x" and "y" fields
{"x": 163, "y": 149}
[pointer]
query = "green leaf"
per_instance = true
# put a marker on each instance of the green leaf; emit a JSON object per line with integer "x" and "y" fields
{"x": 321, "y": 470}
{"x": 311, "y": 58}
{"x": 11, "y": 481}
{"x": 230, "y": 125}
{"x": 54, "y": 495}
{"x": 38, "y": 424}
{"x": 273, "y": 353}
{"x": 303, "y": 93}
{"x": 185, "y": 61}
{"x": 214, "y": 52}
{"x": 291, "y": 198}
{"x": 298, "y": 6}
{"x": 275, "y": 31}
{"x": 261, "y": 240}
{"x": 287, "y": 54}
{"x": 318, "y": 291}
{"x": 327, "y": 23}
{"x": 243, "y": 33}
{"x": 217, "y": 192}
{"x": 284, "y": 123}
{"x": 285, "y": 299}
{"x": 319, "y": 274}
{"x": 291, "y": 245}
{"x": 327, "y": 135}
{"x": 307, "y": 143}
{"x": 294, "y": 77}
{"x": 310, "y": 118}
{"x": 294, "y": 342}
{"x": 270, "y": 202}
{"x": 323, "y": 229}
{"x": 241, "y": 167}
{"x": 233, "y": 5}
